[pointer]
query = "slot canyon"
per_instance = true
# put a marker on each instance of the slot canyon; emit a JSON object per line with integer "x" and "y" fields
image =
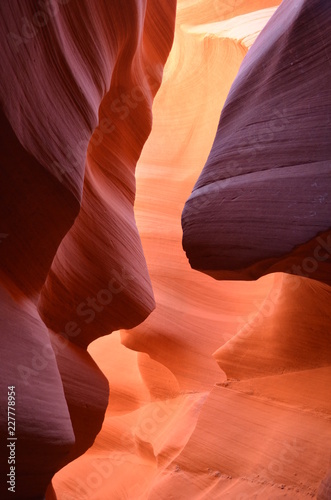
{"x": 165, "y": 250}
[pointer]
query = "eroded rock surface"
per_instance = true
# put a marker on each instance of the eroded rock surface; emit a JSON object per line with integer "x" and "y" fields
{"x": 77, "y": 85}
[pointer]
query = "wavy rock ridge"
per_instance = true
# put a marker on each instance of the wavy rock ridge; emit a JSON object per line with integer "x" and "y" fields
{"x": 76, "y": 101}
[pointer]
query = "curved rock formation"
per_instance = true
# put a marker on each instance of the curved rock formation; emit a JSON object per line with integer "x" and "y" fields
{"x": 265, "y": 188}
{"x": 262, "y": 204}
{"x": 77, "y": 86}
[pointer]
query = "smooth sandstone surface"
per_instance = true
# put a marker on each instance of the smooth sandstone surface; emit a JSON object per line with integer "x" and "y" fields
{"x": 265, "y": 188}
{"x": 77, "y": 86}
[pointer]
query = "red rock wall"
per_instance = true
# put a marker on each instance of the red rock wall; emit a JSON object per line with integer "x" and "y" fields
{"x": 78, "y": 82}
{"x": 265, "y": 188}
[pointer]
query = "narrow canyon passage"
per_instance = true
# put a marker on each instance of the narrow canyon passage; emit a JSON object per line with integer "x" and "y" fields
{"x": 165, "y": 249}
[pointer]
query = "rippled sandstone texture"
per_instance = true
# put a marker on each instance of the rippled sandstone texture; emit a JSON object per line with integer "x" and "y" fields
{"x": 77, "y": 85}
{"x": 265, "y": 189}
{"x": 262, "y": 204}
{"x": 178, "y": 426}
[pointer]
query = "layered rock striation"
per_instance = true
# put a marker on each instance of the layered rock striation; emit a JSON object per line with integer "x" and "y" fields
{"x": 77, "y": 86}
{"x": 264, "y": 191}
